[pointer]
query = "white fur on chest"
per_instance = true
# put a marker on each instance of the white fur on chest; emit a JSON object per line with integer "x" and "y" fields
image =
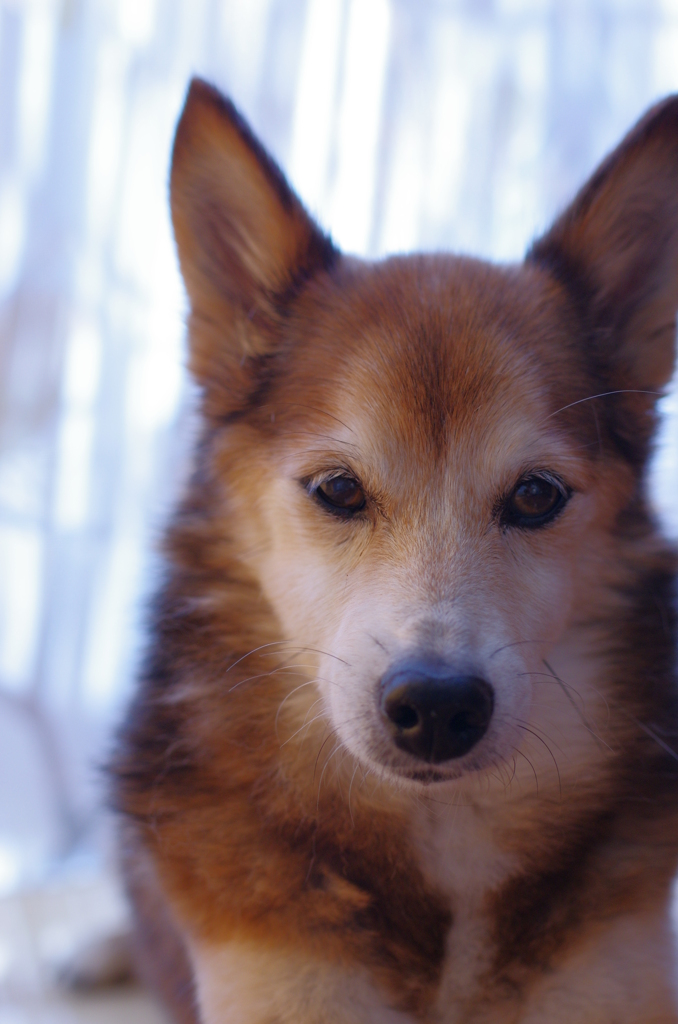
{"x": 461, "y": 858}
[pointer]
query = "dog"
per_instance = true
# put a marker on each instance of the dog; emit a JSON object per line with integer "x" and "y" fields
{"x": 404, "y": 745}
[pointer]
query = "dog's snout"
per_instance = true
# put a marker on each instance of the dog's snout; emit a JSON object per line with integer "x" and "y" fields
{"x": 434, "y": 713}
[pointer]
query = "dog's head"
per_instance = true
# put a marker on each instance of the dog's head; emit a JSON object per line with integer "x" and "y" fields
{"x": 429, "y": 462}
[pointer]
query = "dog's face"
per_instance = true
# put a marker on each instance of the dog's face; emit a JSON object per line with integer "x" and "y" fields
{"x": 419, "y": 507}
{"x": 415, "y": 463}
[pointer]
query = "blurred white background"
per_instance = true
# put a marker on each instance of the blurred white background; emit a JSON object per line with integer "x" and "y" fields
{"x": 453, "y": 124}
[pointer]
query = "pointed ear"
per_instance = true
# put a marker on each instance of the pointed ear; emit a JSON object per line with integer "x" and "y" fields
{"x": 246, "y": 245}
{"x": 616, "y": 251}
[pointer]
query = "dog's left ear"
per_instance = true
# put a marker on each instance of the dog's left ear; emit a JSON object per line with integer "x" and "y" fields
{"x": 616, "y": 251}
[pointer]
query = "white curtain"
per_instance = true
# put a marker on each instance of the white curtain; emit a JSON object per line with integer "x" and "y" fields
{"x": 444, "y": 124}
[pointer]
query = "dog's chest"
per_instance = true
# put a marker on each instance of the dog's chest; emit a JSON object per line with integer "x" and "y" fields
{"x": 462, "y": 858}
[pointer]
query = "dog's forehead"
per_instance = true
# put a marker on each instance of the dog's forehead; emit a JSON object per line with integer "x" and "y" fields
{"x": 426, "y": 353}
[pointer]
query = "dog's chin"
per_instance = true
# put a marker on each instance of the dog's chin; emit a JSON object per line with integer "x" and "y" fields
{"x": 408, "y": 773}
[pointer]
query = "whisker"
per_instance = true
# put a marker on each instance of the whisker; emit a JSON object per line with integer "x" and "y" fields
{"x": 653, "y": 736}
{"x": 497, "y": 774}
{"x": 548, "y": 676}
{"x": 326, "y": 654}
{"x": 532, "y": 725}
{"x": 595, "y": 419}
{"x": 526, "y": 758}
{"x": 260, "y": 675}
{"x": 604, "y": 394}
{"x": 339, "y": 766}
{"x": 326, "y": 738}
{"x": 504, "y": 770}
{"x": 594, "y": 689}
{"x": 365, "y": 775}
{"x": 286, "y": 643}
{"x": 255, "y": 650}
{"x": 304, "y": 723}
{"x": 309, "y": 682}
{"x": 516, "y": 643}
{"x": 585, "y": 723}
{"x": 350, "y": 787}
{"x": 526, "y": 728}
{"x": 322, "y": 774}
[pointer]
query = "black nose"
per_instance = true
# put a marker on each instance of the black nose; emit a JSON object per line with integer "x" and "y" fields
{"x": 433, "y": 713}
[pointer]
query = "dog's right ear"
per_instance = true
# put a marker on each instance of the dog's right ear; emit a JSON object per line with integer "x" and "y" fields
{"x": 246, "y": 245}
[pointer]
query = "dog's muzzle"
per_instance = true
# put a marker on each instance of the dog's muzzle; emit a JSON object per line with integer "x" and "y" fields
{"x": 432, "y": 713}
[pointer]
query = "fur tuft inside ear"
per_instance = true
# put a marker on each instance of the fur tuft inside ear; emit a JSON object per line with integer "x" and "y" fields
{"x": 246, "y": 245}
{"x": 615, "y": 249}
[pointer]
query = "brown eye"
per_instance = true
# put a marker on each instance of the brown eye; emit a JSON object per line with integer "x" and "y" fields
{"x": 342, "y": 494}
{"x": 534, "y": 501}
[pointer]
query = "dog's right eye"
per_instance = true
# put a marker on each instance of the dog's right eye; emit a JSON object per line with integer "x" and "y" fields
{"x": 341, "y": 494}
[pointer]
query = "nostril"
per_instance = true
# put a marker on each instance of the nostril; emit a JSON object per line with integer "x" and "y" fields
{"x": 404, "y": 716}
{"x": 459, "y": 722}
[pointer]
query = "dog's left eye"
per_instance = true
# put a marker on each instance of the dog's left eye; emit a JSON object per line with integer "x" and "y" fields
{"x": 341, "y": 493}
{"x": 534, "y": 502}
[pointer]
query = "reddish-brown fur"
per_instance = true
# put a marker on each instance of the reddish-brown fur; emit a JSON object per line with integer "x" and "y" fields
{"x": 240, "y": 798}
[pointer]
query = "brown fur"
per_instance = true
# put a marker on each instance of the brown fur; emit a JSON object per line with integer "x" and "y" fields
{"x": 256, "y": 820}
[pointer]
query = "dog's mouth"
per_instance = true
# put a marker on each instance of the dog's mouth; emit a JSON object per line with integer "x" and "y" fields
{"x": 403, "y": 770}
{"x": 427, "y": 777}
